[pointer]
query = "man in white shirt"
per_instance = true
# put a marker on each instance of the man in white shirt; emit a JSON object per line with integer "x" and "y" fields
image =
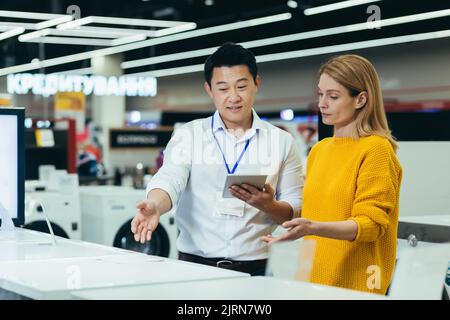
{"x": 218, "y": 231}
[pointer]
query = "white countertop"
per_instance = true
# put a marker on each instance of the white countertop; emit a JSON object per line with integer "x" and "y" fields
{"x": 55, "y": 278}
{"x": 420, "y": 271}
{"x": 31, "y": 266}
{"x": 41, "y": 250}
{"x": 23, "y": 235}
{"x": 253, "y": 288}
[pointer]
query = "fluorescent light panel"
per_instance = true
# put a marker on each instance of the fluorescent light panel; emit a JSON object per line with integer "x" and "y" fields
{"x": 71, "y": 40}
{"x": 75, "y": 23}
{"x": 53, "y": 22}
{"x": 105, "y": 30}
{"x": 168, "y": 57}
{"x": 355, "y": 46}
{"x": 11, "y": 33}
{"x": 9, "y": 25}
{"x": 123, "y": 40}
{"x": 121, "y": 21}
{"x": 336, "y": 6}
{"x": 41, "y": 36}
{"x": 290, "y": 38}
{"x": 172, "y": 30}
{"x": 30, "y": 15}
{"x": 143, "y": 44}
{"x": 89, "y": 33}
{"x": 311, "y": 52}
{"x": 137, "y": 22}
{"x": 34, "y": 35}
{"x": 50, "y": 19}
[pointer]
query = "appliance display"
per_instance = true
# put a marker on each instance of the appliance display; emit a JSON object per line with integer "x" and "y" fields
{"x": 62, "y": 209}
{"x": 12, "y": 163}
{"x": 107, "y": 212}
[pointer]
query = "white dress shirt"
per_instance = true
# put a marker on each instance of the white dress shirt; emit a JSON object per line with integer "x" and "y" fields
{"x": 194, "y": 173}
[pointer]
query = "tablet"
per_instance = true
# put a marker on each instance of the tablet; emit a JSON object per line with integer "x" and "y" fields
{"x": 255, "y": 180}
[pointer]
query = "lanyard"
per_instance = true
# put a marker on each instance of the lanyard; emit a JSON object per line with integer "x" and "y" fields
{"x": 223, "y": 155}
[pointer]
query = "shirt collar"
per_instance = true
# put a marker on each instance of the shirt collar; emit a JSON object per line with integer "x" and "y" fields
{"x": 218, "y": 124}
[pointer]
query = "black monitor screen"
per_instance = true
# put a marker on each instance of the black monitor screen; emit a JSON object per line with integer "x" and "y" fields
{"x": 12, "y": 178}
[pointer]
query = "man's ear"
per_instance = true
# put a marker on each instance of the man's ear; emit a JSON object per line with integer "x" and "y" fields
{"x": 257, "y": 82}
{"x": 361, "y": 100}
{"x": 207, "y": 88}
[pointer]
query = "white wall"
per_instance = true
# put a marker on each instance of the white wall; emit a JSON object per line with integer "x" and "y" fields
{"x": 425, "y": 189}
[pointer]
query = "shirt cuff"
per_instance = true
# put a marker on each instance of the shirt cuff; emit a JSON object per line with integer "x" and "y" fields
{"x": 164, "y": 186}
{"x": 295, "y": 205}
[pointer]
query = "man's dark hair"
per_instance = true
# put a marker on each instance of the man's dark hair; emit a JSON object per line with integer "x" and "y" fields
{"x": 229, "y": 55}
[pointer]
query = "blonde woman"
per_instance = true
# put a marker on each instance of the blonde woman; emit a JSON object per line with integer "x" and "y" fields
{"x": 351, "y": 193}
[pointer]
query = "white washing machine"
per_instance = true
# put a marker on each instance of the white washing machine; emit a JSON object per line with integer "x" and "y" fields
{"x": 107, "y": 212}
{"x": 62, "y": 209}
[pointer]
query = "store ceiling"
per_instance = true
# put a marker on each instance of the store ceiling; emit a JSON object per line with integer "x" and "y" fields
{"x": 13, "y": 52}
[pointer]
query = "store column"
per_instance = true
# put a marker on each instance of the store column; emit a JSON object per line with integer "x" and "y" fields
{"x": 107, "y": 111}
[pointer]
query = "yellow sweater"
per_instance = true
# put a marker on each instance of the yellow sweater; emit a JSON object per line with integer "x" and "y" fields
{"x": 358, "y": 180}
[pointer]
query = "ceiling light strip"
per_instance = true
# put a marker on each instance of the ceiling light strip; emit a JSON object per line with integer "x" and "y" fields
{"x": 75, "y": 23}
{"x": 149, "y": 33}
{"x": 11, "y": 33}
{"x": 53, "y": 22}
{"x": 143, "y": 44}
{"x": 123, "y": 40}
{"x": 311, "y": 52}
{"x": 122, "y": 21}
{"x": 71, "y": 40}
{"x": 81, "y": 32}
{"x": 30, "y": 15}
{"x": 172, "y": 30}
{"x": 34, "y": 35}
{"x": 336, "y": 6}
{"x": 290, "y": 38}
{"x": 137, "y": 22}
{"x": 354, "y": 46}
{"x": 9, "y": 25}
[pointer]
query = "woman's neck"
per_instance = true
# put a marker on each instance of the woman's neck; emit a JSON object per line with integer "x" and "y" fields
{"x": 345, "y": 130}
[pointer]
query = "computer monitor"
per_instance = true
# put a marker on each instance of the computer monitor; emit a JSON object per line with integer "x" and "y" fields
{"x": 12, "y": 178}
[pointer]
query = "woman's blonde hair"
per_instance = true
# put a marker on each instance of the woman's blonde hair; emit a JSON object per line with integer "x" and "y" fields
{"x": 357, "y": 74}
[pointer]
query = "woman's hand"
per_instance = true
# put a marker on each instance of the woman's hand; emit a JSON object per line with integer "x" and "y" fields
{"x": 297, "y": 228}
{"x": 261, "y": 200}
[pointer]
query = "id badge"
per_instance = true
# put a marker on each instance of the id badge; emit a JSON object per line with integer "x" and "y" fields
{"x": 228, "y": 206}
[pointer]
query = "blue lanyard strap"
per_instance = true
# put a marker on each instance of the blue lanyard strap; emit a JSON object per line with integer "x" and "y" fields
{"x": 223, "y": 155}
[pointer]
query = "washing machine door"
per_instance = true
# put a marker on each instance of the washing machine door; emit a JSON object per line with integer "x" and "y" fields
{"x": 159, "y": 244}
{"x": 40, "y": 225}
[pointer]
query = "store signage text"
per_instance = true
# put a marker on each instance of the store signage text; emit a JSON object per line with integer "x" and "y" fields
{"x": 47, "y": 85}
{"x": 139, "y": 138}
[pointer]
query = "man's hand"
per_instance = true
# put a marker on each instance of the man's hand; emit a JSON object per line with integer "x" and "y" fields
{"x": 261, "y": 200}
{"x": 145, "y": 221}
{"x": 298, "y": 228}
